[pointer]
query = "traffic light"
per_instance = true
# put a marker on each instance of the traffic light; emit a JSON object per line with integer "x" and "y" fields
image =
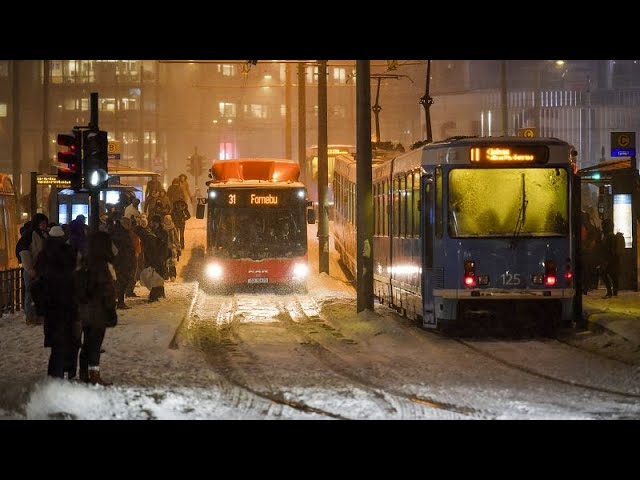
{"x": 194, "y": 165}
{"x": 70, "y": 160}
{"x": 96, "y": 156}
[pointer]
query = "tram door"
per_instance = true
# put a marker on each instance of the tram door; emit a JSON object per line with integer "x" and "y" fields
{"x": 427, "y": 213}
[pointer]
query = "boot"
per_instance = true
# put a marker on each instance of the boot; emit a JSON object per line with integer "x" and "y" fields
{"x": 94, "y": 377}
{"x": 83, "y": 375}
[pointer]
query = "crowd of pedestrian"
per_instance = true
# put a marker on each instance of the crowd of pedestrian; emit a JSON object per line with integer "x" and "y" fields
{"x": 101, "y": 269}
{"x": 602, "y": 250}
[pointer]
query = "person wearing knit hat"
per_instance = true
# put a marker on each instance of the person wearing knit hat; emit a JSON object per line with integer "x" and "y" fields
{"x": 56, "y": 231}
{"x": 28, "y": 248}
{"x": 54, "y": 268}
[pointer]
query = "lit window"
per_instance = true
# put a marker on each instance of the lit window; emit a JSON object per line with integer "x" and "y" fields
{"x": 70, "y": 104}
{"x": 283, "y": 110}
{"x": 3, "y": 109}
{"x": 258, "y": 111}
{"x": 227, "y": 70}
{"x": 312, "y": 74}
{"x": 339, "y": 75}
{"x": 108, "y": 104}
{"x": 227, "y": 109}
{"x": 227, "y": 150}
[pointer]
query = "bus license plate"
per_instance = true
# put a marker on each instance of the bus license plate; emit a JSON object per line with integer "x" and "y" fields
{"x": 258, "y": 280}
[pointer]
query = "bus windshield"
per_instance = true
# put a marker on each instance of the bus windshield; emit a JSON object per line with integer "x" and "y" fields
{"x": 508, "y": 202}
{"x": 259, "y": 234}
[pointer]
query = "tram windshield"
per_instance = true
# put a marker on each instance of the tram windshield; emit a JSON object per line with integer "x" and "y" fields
{"x": 509, "y": 202}
{"x": 259, "y": 234}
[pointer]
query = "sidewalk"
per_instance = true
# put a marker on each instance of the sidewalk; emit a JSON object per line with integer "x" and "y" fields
{"x": 620, "y": 314}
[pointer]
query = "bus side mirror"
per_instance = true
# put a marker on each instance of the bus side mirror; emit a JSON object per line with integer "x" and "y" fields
{"x": 200, "y": 210}
{"x": 311, "y": 216}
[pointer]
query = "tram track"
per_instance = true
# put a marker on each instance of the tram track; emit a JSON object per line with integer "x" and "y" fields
{"x": 217, "y": 334}
{"x": 488, "y": 353}
{"x": 211, "y": 327}
{"x": 310, "y": 327}
{"x": 615, "y": 358}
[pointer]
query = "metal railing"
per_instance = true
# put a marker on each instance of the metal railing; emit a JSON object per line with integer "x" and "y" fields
{"x": 11, "y": 291}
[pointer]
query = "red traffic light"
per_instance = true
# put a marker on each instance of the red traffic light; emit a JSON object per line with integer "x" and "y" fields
{"x": 70, "y": 168}
{"x": 69, "y": 141}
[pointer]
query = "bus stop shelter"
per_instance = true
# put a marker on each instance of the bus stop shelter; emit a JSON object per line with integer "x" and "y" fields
{"x": 616, "y": 194}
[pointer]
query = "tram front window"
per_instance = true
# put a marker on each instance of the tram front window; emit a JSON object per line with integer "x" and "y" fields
{"x": 530, "y": 202}
{"x": 249, "y": 233}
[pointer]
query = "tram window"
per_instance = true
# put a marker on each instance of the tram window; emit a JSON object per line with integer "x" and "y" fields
{"x": 376, "y": 210}
{"x": 385, "y": 206}
{"x": 498, "y": 202}
{"x": 415, "y": 197}
{"x": 396, "y": 207}
{"x": 402, "y": 207}
{"x": 409, "y": 190}
{"x": 438, "y": 211}
{"x": 428, "y": 234}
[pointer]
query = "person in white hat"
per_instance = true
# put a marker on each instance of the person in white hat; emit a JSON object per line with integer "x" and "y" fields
{"x": 55, "y": 301}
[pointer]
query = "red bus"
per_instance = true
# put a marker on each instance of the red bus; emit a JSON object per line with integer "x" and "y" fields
{"x": 256, "y": 223}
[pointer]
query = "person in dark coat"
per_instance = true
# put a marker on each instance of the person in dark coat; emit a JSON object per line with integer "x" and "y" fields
{"x": 609, "y": 259}
{"x": 56, "y": 301}
{"x": 125, "y": 260}
{"x": 96, "y": 304}
{"x": 78, "y": 237}
{"x": 156, "y": 251}
{"x": 180, "y": 215}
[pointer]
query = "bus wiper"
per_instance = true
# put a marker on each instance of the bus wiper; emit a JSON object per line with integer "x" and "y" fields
{"x": 521, "y": 216}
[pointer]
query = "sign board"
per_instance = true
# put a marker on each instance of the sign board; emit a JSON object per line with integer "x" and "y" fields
{"x": 528, "y": 132}
{"x": 52, "y": 180}
{"x": 623, "y": 144}
{"x": 114, "y": 150}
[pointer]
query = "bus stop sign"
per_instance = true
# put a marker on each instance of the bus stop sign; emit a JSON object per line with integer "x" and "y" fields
{"x": 623, "y": 144}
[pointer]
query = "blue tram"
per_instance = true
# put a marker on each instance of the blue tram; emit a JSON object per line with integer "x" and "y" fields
{"x": 470, "y": 226}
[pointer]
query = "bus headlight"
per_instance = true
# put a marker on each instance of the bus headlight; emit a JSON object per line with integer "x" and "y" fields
{"x": 300, "y": 271}
{"x": 214, "y": 271}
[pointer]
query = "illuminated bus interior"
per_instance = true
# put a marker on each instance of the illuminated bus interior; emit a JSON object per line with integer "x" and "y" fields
{"x": 259, "y": 234}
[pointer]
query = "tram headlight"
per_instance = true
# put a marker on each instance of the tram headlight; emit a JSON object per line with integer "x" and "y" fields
{"x": 300, "y": 271}
{"x": 214, "y": 271}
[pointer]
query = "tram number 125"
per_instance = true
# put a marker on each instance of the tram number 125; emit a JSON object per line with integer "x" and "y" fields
{"x": 510, "y": 278}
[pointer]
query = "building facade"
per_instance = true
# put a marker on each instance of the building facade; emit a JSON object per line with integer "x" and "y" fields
{"x": 159, "y": 111}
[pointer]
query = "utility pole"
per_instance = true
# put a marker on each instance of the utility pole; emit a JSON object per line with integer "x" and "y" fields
{"x": 140, "y": 152}
{"x": 45, "y": 163}
{"x": 504, "y": 98}
{"x": 302, "y": 122}
{"x": 426, "y": 101}
{"x": 287, "y": 112}
{"x": 323, "y": 170}
{"x": 364, "y": 196}
{"x": 537, "y": 100}
{"x": 376, "y": 107}
{"x": 94, "y": 210}
{"x": 16, "y": 150}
